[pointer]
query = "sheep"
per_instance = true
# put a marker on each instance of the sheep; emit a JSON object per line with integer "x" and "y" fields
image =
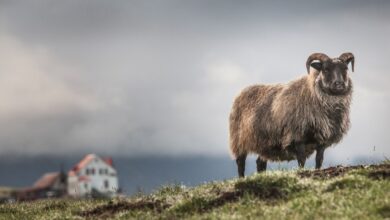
{"x": 290, "y": 121}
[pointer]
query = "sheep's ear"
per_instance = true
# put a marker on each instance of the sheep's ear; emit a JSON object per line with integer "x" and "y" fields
{"x": 316, "y": 65}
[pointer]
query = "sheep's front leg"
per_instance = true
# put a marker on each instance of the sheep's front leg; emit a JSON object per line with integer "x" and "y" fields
{"x": 301, "y": 156}
{"x": 319, "y": 156}
{"x": 261, "y": 164}
{"x": 241, "y": 165}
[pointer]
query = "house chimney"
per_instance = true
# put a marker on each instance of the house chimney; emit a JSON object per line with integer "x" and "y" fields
{"x": 108, "y": 160}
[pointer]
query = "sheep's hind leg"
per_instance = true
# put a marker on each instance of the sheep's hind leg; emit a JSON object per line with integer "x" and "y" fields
{"x": 319, "y": 156}
{"x": 261, "y": 164}
{"x": 241, "y": 165}
{"x": 300, "y": 148}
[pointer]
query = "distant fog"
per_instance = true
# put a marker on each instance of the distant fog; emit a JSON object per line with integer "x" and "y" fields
{"x": 157, "y": 78}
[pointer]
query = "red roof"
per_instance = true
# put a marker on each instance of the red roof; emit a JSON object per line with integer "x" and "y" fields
{"x": 88, "y": 158}
{"x": 83, "y": 162}
{"x": 48, "y": 179}
{"x": 108, "y": 161}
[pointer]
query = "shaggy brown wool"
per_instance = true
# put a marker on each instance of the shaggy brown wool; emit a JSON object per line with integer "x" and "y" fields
{"x": 268, "y": 119}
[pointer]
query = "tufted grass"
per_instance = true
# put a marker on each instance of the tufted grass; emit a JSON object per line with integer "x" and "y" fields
{"x": 354, "y": 193}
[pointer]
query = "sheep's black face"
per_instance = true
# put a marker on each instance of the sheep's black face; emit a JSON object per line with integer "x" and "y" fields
{"x": 333, "y": 77}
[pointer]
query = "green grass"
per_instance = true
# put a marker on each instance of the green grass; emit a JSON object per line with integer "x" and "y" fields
{"x": 353, "y": 193}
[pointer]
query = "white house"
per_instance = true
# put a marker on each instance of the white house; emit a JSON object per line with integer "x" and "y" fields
{"x": 93, "y": 175}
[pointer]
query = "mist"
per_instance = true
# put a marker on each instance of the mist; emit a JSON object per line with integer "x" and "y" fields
{"x": 158, "y": 78}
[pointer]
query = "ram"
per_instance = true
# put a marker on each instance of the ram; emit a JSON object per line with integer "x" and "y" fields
{"x": 290, "y": 121}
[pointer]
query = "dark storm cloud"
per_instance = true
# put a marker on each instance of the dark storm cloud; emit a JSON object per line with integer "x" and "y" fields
{"x": 158, "y": 77}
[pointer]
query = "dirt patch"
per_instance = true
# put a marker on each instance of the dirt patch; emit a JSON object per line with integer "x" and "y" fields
{"x": 381, "y": 171}
{"x": 328, "y": 172}
{"x": 380, "y": 174}
{"x": 196, "y": 205}
{"x": 110, "y": 209}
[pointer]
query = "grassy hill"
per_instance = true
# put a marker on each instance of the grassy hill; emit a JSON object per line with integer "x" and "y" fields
{"x": 356, "y": 192}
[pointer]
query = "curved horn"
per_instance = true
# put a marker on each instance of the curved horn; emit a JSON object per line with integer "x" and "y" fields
{"x": 316, "y": 56}
{"x": 348, "y": 57}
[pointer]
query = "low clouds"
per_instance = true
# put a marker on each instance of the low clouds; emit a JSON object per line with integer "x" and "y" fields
{"x": 27, "y": 85}
{"x": 37, "y": 106}
{"x": 159, "y": 78}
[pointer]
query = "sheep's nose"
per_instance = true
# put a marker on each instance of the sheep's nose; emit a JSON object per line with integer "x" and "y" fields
{"x": 339, "y": 85}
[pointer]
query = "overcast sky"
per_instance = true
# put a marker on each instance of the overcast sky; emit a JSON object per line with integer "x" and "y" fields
{"x": 159, "y": 77}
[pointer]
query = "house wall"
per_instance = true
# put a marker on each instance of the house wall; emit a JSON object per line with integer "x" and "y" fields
{"x": 98, "y": 175}
{"x": 73, "y": 186}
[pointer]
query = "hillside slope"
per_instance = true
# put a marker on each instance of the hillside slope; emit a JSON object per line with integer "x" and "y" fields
{"x": 361, "y": 192}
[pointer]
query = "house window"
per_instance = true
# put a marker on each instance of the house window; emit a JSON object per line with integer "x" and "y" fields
{"x": 106, "y": 184}
{"x": 86, "y": 185}
{"x": 100, "y": 171}
{"x": 87, "y": 171}
{"x": 93, "y": 171}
